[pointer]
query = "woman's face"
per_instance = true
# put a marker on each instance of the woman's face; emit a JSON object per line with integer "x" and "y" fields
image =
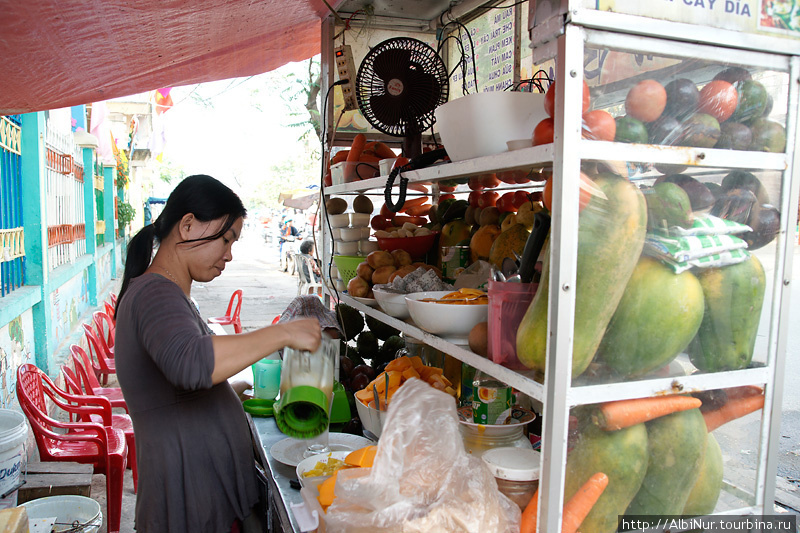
{"x": 208, "y": 258}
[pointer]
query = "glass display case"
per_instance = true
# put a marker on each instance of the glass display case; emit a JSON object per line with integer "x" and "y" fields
{"x": 671, "y": 145}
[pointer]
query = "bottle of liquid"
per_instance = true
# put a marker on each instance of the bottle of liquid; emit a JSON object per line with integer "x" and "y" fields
{"x": 492, "y": 400}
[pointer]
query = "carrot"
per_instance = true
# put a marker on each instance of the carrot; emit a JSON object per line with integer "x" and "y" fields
{"x": 621, "y": 414}
{"x": 578, "y": 507}
{"x": 400, "y": 162}
{"x": 419, "y": 210}
{"x": 357, "y": 147}
{"x": 369, "y": 157}
{"x": 743, "y": 391}
{"x": 339, "y": 156}
{"x": 383, "y": 150}
{"x": 413, "y": 202}
{"x": 735, "y": 407}
{"x": 528, "y": 522}
{"x": 350, "y": 172}
{"x": 417, "y": 187}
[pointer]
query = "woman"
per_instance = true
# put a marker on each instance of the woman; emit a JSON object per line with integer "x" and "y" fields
{"x": 195, "y": 457}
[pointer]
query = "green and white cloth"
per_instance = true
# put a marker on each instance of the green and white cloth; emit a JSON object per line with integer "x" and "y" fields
{"x": 715, "y": 260}
{"x": 707, "y": 225}
{"x": 691, "y": 247}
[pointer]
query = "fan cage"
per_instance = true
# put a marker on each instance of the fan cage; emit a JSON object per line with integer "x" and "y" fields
{"x": 413, "y": 110}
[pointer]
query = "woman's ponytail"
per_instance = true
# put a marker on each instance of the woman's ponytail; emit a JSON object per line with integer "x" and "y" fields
{"x": 140, "y": 253}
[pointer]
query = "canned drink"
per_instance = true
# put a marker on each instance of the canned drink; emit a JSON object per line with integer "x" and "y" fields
{"x": 492, "y": 399}
{"x": 454, "y": 260}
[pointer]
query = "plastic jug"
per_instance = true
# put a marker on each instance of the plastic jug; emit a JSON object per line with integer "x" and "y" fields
{"x": 266, "y": 378}
{"x": 306, "y": 388}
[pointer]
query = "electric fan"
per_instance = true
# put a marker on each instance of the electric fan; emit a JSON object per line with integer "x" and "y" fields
{"x": 399, "y": 84}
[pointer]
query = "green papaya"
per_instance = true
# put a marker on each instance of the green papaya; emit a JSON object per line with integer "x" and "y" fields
{"x": 676, "y": 445}
{"x": 658, "y": 316}
{"x": 621, "y": 455}
{"x": 611, "y": 233}
{"x": 668, "y": 205}
{"x": 734, "y": 296}
{"x": 705, "y": 493}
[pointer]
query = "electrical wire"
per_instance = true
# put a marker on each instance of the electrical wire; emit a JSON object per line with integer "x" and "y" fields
{"x": 462, "y": 61}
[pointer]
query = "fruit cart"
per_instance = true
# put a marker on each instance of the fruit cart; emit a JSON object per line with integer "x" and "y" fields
{"x": 662, "y": 119}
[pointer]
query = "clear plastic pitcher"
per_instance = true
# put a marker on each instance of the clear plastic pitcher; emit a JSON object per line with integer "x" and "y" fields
{"x": 303, "y": 411}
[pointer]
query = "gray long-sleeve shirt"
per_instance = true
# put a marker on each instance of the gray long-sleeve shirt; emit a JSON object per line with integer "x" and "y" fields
{"x": 194, "y": 450}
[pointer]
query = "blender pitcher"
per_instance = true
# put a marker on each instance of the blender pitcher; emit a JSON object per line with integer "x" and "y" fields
{"x": 303, "y": 411}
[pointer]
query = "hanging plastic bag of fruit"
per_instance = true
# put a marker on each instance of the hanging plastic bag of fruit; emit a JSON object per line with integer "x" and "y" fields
{"x": 421, "y": 478}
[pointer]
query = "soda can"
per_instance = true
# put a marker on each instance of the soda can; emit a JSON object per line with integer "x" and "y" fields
{"x": 454, "y": 260}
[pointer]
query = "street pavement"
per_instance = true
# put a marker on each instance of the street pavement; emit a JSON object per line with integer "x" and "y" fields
{"x": 267, "y": 291}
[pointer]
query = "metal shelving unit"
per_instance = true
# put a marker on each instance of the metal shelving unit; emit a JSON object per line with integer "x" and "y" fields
{"x": 564, "y": 37}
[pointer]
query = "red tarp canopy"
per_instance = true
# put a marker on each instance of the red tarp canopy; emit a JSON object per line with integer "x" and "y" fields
{"x": 60, "y": 53}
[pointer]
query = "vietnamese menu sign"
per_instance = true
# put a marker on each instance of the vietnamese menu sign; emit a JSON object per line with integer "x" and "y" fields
{"x": 770, "y": 17}
{"x": 493, "y": 38}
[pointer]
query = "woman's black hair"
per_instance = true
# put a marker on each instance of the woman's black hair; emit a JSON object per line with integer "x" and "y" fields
{"x": 306, "y": 246}
{"x": 203, "y": 196}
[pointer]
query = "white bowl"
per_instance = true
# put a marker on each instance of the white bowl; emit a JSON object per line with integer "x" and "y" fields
{"x": 371, "y": 418}
{"x": 365, "y": 232}
{"x": 445, "y": 320}
{"x": 310, "y": 462}
{"x": 367, "y": 246}
{"x": 339, "y": 221}
{"x": 350, "y": 234}
{"x": 360, "y": 220}
{"x": 480, "y": 124}
{"x": 334, "y": 271}
{"x": 347, "y": 248}
{"x": 336, "y": 233}
{"x": 393, "y": 304}
{"x": 519, "y": 144}
{"x": 339, "y": 285}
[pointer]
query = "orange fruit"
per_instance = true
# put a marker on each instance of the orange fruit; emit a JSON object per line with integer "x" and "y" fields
{"x": 585, "y": 195}
{"x": 550, "y": 99}
{"x": 646, "y": 100}
{"x": 543, "y": 133}
{"x": 718, "y": 99}
{"x": 599, "y": 125}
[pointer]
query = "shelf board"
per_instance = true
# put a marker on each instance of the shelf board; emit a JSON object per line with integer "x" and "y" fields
{"x": 517, "y": 380}
{"x": 576, "y": 394}
{"x": 541, "y": 156}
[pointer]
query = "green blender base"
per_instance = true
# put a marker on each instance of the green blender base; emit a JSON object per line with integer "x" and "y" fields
{"x": 302, "y": 412}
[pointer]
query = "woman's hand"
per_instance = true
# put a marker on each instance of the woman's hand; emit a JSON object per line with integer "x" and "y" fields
{"x": 303, "y": 334}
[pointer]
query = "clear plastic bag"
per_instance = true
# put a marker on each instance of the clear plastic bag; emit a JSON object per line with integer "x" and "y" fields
{"x": 422, "y": 479}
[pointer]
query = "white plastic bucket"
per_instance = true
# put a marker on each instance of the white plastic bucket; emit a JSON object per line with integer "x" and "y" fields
{"x": 67, "y": 513}
{"x": 13, "y": 435}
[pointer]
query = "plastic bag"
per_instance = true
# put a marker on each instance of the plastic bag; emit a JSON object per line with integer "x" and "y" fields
{"x": 422, "y": 479}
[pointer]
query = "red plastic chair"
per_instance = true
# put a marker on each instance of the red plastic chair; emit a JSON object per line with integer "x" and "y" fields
{"x": 120, "y": 421}
{"x": 113, "y": 298}
{"x": 105, "y": 328}
{"x": 81, "y": 442}
{"x": 232, "y": 314}
{"x": 89, "y": 382}
{"x": 110, "y": 311}
{"x": 102, "y": 361}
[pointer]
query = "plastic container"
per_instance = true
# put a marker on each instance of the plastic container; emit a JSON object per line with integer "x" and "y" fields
{"x": 72, "y": 513}
{"x": 508, "y": 302}
{"x": 360, "y": 220}
{"x": 366, "y": 246}
{"x": 347, "y": 172}
{"x": 339, "y": 221}
{"x": 385, "y": 165}
{"x": 347, "y": 248}
{"x": 13, "y": 435}
{"x": 366, "y": 231}
{"x": 347, "y": 265}
{"x": 478, "y": 438}
{"x": 416, "y": 247}
{"x": 516, "y": 471}
{"x": 266, "y": 378}
{"x": 481, "y": 124}
{"x": 350, "y": 234}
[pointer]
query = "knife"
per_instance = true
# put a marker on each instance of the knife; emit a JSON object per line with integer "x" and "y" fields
{"x": 533, "y": 246}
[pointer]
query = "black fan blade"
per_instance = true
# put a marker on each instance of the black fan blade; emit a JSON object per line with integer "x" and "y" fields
{"x": 386, "y": 108}
{"x": 423, "y": 92}
{"x": 391, "y": 63}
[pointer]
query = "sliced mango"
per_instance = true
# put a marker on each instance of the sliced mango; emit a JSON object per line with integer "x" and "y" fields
{"x": 363, "y": 457}
{"x": 400, "y": 364}
{"x": 409, "y": 373}
{"x": 326, "y": 490}
{"x": 416, "y": 362}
